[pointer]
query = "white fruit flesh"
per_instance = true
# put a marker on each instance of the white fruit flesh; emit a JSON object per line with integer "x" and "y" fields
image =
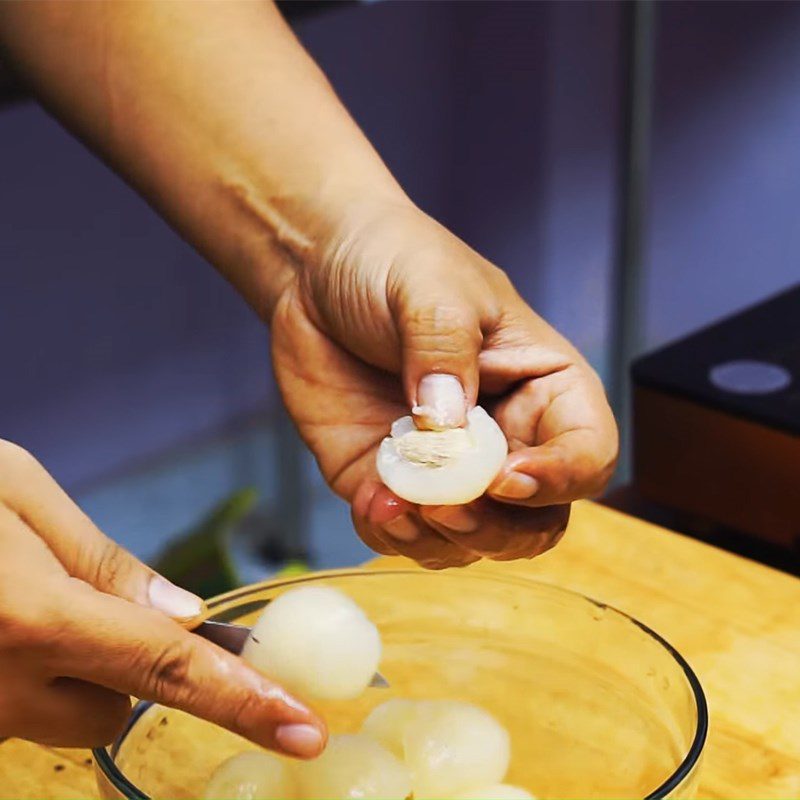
{"x": 354, "y": 766}
{"x": 497, "y": 791}
{"x": 387, "y": 723}
{"x": 252, "y": 776}
{"x": 317, "y": 642}
{"x": 451, "y": 747}
{"x": 442, "y": 467}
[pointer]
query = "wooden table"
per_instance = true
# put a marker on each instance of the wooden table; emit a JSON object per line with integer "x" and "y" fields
{"x": 737, "y": 623}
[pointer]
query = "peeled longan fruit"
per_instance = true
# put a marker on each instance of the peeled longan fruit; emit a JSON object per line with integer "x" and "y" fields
{"x": 317, "y": 642}
{"x": 451, "y": 747}
{"x": 354, "y": 766}
{"x": 252, "y": 776}
{"x": 446, "y": 467}
{"x": 497, "y": 791}
{"x": 387, "y": 723}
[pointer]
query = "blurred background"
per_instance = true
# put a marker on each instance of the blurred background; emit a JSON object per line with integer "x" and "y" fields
{"x": 138, "y": 377}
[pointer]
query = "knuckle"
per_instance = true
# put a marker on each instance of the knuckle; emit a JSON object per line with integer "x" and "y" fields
{"x": 431, "y": 552}
{"x": 448, "y": 560}
{"x": 594, "y": 473}
{"x": 489, "y": 542}
{"x": 379, "y": 546}
{"x": 507, "y": 303}
{"x": 441, "y": 328}
{"x": 11, "y": 453}
{"x": 544, "y": 528}
{"x": 437, "y": 316}
{"x": 537, "y": 393}
{"x": 111, "y": 565}
{"x": 15, "y": 461}
{"x": 563, "y": 483}
{"x": 515, "y": 556}
{"x": 167, "y": 676}
{"x": 600, "y": 480}
{"x": 557, "y": 529}
{"x": 574, "y": 475}
{"x": 27, "y": 627}
{"x": 607, "y": 468}
{"x": 243, "y": 713}
{"x": 435, "y": 565}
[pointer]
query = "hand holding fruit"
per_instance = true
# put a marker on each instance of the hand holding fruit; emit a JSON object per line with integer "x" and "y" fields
{"x": 375, "y": 308}
{"x": 401, "y": 314}
{"x": 84, "y": 624}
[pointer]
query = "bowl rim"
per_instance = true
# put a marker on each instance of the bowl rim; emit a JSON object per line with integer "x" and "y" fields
{"x": 104, "y": 756}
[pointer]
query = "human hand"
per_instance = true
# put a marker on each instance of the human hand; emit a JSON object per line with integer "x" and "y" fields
{"x": 223, "y": 122}
{"x": 83, "y": 624}
{"x": 398, "y": 313}
{"x": 219, "y": 117}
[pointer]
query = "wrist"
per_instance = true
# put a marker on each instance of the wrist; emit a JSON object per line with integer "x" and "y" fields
{"x": 308, "y": 239}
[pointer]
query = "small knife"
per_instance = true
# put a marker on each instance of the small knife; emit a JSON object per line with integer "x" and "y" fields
{"x": 232, "y": 638}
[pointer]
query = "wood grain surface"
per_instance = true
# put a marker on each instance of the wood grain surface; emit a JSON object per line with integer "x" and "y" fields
{"x": 736, "y": 622}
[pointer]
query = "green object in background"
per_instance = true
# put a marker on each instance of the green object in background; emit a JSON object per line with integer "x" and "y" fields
{"x": 293, "y": 568}
{"x": 201, "y": 561}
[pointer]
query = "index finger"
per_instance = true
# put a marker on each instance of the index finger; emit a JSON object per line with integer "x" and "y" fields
{"x": 141, "y": 652}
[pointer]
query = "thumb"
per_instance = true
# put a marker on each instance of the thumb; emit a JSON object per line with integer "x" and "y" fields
{"x": 85, "y": 551}
{"x": 440, "y": 335}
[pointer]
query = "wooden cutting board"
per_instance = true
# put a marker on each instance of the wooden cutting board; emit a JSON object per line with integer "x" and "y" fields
{"x": 737, "y": 623}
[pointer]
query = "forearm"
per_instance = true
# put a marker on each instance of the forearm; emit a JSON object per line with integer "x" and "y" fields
{"x": 216, "y": 114}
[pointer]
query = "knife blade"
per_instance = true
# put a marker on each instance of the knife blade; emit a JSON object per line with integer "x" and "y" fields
{"x": 232, "y": 638}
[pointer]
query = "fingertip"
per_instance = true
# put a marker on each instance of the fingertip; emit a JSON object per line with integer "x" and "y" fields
{"x": 271, "y": 716}
{"x": 565, "y": 469}
{"x": 515, "y": 480}
{"x": 514, "y": 486}
{"x": 301, "y": 732}
{"x": 440, "y": 402}
{"x": 521, "y": 459}
{"x": 175, "y": 602}
{"x": 301, "y": 740}
{"x": 376, "y": 503}
{"x": 386, "y": 505}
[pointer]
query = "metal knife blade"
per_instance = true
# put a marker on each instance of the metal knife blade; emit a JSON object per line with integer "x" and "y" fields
{"x": 232, "y": 638}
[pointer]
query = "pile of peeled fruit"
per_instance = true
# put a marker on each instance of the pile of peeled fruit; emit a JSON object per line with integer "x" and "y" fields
{"x": 318, "y": 642}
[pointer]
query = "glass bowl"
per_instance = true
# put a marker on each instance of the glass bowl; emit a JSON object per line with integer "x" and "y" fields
{"x": 597, "y": 704}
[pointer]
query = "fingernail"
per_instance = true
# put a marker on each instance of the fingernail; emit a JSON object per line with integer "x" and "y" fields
{"x": 441, "y": 402}
{"x": 172, "y": 600}
{"x": 516, "y": 486}
{"x": 402, "y": 527}
{"x": 299, "y": 740}
{"x": 456, "y": 518}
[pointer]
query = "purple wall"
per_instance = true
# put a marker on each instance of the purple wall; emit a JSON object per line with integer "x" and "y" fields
{"x": 500, "y": 118}
{"x": 116, "y": 339}
{"x": 725, "y": 207}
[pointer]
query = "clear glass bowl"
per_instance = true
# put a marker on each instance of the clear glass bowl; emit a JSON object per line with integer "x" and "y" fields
{"x": 598, "y": 705}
